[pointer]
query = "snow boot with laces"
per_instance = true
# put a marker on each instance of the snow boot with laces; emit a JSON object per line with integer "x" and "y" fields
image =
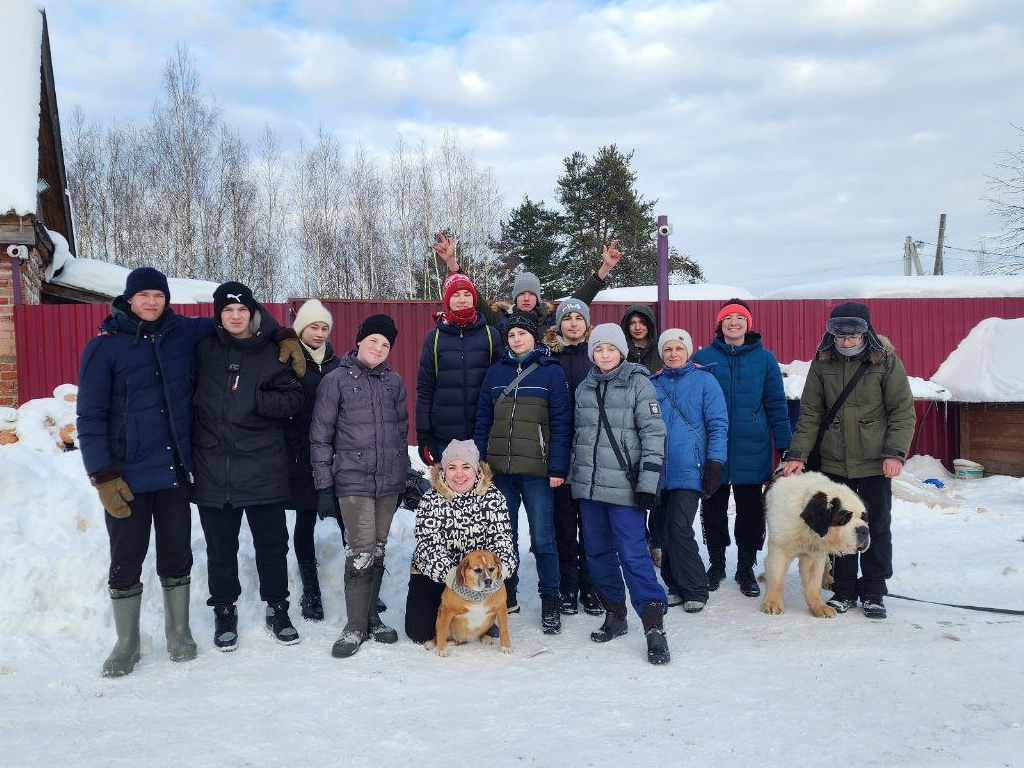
{"x": 550, "y": 618}
{"x": 591, "y": 603}
{"x": 280, "y": 625}
{"x": 653, "y": 618}
{"x": 180, "y": 645}
{"x": 745, "y": 573}
{"x": 569, "y": 603}
{"x": 614, "y": 622}
{"x": 716, "y": 573}
{"x": 377, "y": 629}
{"x": 125, "y": 605}
{"x": 310, "y": 602}
{"x": 357, "y": 605}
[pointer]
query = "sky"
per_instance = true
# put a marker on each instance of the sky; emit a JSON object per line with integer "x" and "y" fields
{"x": 786, "y": 140}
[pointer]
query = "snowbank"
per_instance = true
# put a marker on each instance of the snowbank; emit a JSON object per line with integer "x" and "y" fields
{"x": 20, "y": 61}
{"x": 903, "y": 287}
{"x": 988, "y": 365}
{"x": 648, "y": 294}
{"x": 794, "y": 376}
{"x": 108, "y": 279}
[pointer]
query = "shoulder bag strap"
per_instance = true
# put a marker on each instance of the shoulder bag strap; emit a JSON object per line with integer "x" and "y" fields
{"x": 611, "y": 438}
{"x": 515, "y": 383}
{"x": 834, "y": 410}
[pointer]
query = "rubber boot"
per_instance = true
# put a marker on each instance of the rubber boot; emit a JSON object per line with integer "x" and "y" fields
{"x": 745, "y": 572}
{"x": 653, "y": 618}
{"x": 358, "y": 584}
{"x": 180, "y": 645}
{"x": 614, "y": 621}
{"x": 310, "y": 602}
{"x": 378, "y": 630}
{"x": 125, "y": 604}
{"x": 716, "y": 573}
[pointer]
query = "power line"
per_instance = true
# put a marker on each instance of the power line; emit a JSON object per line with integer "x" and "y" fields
{"x": 973, "y": 250}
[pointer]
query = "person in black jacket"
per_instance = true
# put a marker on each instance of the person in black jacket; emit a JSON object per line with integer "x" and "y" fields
{"x": 567, "y": 341}
{"x": 312, "y": 325}
{"x": 243, "y": 397}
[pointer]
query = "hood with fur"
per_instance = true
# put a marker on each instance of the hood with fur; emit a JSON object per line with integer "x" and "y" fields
{"x": 553, "y": 340}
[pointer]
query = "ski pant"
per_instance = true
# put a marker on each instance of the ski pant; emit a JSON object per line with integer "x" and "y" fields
{"x": 270, "y": 541}
{"x": 421, "y": 607}
{"x": 168, "y": 513}
{"x": 749, "y": 526}
{"x": 681, "y": 567}
{"x": 572, "y": 561}
{"x": 876, "y": 561}
{"x": 302, "y": 535}
{"x": 367, "y": 523}
{"x": 617, "y": 547}
{"x": 534, "y": 493}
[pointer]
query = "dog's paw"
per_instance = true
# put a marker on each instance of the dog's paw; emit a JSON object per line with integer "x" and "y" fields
{"x": 442, "y": 652}
{"x": 506, "y": 649}
{"x": 771, "y": 606}
{"x": 822, "y": 611}
{"x": 430, "y": 645}
{"x": 486, "y": 639}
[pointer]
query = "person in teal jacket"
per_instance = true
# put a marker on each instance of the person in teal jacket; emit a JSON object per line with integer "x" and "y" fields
{"x": 758, "y": 424}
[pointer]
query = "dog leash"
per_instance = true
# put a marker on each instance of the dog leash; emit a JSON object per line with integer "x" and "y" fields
{"x": 986, "y": 609}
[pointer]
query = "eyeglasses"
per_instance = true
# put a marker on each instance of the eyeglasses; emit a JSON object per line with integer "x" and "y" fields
{"x": 854, "y": 338}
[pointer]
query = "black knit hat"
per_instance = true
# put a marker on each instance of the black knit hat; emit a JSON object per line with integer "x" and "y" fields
{"x": 146, "y": 279}
{"x": 382, "y": 324}
{"x": 849, "y": 319}
{"x": 232, "y": 292}
{"x": 525, "y": 320}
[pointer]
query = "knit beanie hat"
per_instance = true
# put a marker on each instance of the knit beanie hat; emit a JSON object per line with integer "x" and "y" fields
{"x": 146, "y": 279}
{"x": 232, "y": 292}
{"x": 526, "y": 282}
{"x": 607, "y": 333}
{"x": 738, "y": 307}
{"x": 311, "y": 312}
{"x": 525, "y": 320}
{"x": 456, "y": 281}
{"x": 464, "y": 450}
{"x": 571, "y": 305}
{"x": 675, "y": 334}
{"x": 382, "y": 324}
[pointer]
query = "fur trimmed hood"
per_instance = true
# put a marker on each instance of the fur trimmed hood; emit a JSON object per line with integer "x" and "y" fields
{"x": 553, "y": 340}
{"x": 483, "y": 483}
{"x": 543, "y": 310}
{"x": 877, "y": 356}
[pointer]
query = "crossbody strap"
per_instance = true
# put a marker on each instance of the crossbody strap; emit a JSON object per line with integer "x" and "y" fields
{"x": 515, "y": 383}
{"x": 679, "y": 411}
{"x": 834, "y": 410}
{"x": 603, "y": 415}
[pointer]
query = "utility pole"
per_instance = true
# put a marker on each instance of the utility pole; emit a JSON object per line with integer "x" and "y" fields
{"x": 907, "y": 245}
{"x": 938, "y": 245}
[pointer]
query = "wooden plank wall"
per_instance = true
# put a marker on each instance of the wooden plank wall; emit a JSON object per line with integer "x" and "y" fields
{"x": 993, "y": 434}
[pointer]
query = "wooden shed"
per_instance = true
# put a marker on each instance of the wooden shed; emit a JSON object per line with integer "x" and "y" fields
{"x": 993, "y": 434}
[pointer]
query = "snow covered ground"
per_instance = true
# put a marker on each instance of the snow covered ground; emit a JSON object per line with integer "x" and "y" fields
{"x": 929, "y": 686}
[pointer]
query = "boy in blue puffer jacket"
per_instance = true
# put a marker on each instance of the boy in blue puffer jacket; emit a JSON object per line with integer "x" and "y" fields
{"x": 697, "y": 424}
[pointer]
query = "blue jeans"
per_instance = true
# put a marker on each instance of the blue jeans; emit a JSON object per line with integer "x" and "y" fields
{"x": 616, "y": 537}
{"x": 535, "y": 494}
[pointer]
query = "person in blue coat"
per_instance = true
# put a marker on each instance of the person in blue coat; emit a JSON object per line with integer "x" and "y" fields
{"x": 758, "y": 424}
{"x": 456, "y": 355}
{"x": 697, "y": 424}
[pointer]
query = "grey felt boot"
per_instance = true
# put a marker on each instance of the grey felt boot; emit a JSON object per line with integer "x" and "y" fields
{"x": 180, "y": 645}
{"x": 358, "y": 585}
{"x": 125, "y": 604}
{"x": 378, "y": 630}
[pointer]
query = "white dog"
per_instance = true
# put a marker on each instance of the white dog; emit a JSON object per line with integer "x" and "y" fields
{"x": 810, "y": 517}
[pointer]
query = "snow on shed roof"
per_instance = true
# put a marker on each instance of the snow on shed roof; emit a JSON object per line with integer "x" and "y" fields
{"x": 987, "y": 366}
{"x": 20, "y": 66}
{"x": 685, "y": 291}
{"x": 903, "y": 287}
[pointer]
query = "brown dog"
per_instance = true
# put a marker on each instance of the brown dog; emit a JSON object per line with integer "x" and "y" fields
{"x": 468, "y": 616}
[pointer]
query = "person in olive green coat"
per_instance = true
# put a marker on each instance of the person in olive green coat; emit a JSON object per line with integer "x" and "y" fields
{"x": 863, "y": 447}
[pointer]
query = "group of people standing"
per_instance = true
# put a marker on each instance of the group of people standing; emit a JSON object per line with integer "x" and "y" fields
{"x": 587, "y": 428}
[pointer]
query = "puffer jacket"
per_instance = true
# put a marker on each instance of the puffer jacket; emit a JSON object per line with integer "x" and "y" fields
{"x": 634, "y": 414}
{"x": 529, "y": 433}
{"x": 359, "y": 434}
{"x": 242, "y": 400}
{"x": 135, "y": 396}
{"x": 498, "y": 313}
{"x": 450, "y": 525}
{"x": 752, "y": 384}
{"x": 648, "y": 356}
{"x": 876, "y": 421}
{"x": 453, "y": 364}
{"x": 573, "y": 358}
{"x": 300, "y": 469}
{"x": 696, "y": 422}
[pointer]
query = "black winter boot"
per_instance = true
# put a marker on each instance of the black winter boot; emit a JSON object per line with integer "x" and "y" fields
{"x": 591, "y": 603}
{"x": 310, "y": 602}
{"x": 280, "y": 625}
{"x": 745, "y": 572}
{"x": 653, "y": 617}
{"x": 716, "y": 573}
{"x": 225, "y": 627}
{"x": 378, "y": 630}
{"x": 125, "y": 605}
{"x": 569, "y": 605}
{"x": 550, "y": 619}
{"x": 614, "y": 622}
{"x": 357, "y": 605}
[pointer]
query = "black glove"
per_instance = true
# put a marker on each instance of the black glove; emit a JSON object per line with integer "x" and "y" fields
{"x": 712, "y": 479}
{"x": 646, "y": 500}
{"x": 326, "y": 504}
{"x": 424, "y": 450}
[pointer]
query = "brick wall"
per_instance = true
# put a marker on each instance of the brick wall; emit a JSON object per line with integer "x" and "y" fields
{"x": 31, "y": 273}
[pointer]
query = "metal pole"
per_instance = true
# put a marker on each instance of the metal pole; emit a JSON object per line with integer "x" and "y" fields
{"x": 938, "y": 246}
{"x": 664, "y": 230}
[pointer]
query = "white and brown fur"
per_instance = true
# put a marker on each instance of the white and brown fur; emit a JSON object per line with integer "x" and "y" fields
{"x": 810, "y": 517}
{"x": 461, "y": 620}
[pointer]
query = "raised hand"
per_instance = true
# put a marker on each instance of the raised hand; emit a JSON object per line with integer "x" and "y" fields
{"x": 610, "y": 256}
{"x": 445, "y": 249}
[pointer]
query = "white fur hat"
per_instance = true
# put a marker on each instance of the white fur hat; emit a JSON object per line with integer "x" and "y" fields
{"x": 675, "y": 334}
{"x": 311, "y": 312}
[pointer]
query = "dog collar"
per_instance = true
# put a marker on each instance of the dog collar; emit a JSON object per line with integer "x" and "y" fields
{"x": 471, "y": 594}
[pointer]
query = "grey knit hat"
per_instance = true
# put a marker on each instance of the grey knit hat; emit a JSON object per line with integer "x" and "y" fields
{"x": 464, "y": 450}
{"x": 607, "y": 333}
{"x": 526, "y": 282}
{"x": 571, "y": 305}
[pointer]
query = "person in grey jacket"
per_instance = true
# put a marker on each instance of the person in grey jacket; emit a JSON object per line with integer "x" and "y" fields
{"x": 358, "y": 446}
{"x": 618, "y": 451}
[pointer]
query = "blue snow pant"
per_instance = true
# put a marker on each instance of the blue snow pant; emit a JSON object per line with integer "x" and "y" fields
{"x": 617, "y": 547}
{"x": 535, "y": 494}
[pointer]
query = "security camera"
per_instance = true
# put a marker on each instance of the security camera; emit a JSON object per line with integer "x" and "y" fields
{"x": 665, "y": 230}
{"x": 18, "y": 252}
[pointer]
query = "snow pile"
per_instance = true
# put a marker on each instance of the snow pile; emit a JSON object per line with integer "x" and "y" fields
{"x": 988, "y": 365}
{"x": 20, "y": 62}
{"x": 648, "y": 294}
{"x": 903, "y": 287}
{"x": 911, "y": 486}
{"x": 43, "y": 424}
{"x": 794, "y": 376}
{"x": 61, "y": 253}
{"x": 108, "y": 279}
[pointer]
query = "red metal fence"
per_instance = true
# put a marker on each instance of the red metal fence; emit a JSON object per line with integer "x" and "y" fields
{"x": 50, "y": 338}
